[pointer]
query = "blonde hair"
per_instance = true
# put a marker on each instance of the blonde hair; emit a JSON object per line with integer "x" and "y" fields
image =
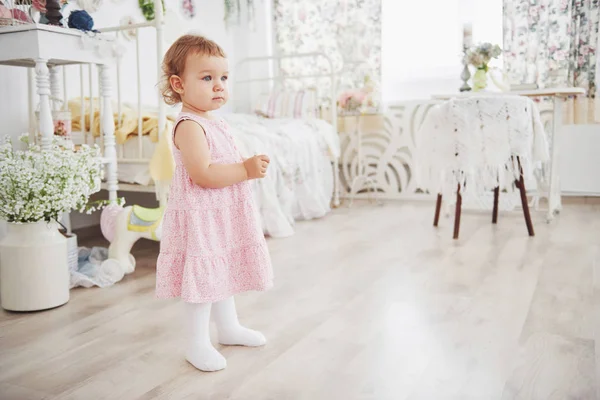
{"x": 174, "y": 61}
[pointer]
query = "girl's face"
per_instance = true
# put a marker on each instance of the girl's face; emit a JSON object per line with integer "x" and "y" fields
{"x": 203, "y": 86}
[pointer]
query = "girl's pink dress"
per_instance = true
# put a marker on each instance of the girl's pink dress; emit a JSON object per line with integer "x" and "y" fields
{"x": 212, "y": 243}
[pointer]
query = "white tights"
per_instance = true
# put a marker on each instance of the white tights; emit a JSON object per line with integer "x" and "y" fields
{"x": 200, "y": 351}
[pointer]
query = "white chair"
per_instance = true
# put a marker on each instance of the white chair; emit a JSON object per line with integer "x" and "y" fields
{"x": 480, "y": 143}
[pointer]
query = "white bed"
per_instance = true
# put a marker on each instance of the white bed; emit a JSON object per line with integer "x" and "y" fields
{"x": 300, "y": 184}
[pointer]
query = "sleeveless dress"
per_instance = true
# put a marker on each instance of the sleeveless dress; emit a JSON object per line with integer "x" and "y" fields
{"x": 212, "y": 243}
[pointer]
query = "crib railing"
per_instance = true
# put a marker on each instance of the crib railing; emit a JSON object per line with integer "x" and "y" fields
{"x": 141, "y": 157}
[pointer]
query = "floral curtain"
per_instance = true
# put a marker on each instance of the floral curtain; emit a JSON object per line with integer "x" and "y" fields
{"x": 554, "y": 43}
{"x": 348, "y": 31}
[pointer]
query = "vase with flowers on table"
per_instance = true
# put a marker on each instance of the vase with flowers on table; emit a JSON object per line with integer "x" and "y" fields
{"x": 480, "y": 57}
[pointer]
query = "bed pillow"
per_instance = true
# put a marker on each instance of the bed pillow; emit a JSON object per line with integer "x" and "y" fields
{"x": 261, "y": 108}
{"x": 288, "y": 104}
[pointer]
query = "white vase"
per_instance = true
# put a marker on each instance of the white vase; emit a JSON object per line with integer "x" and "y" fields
{"x": 34, "y": 272}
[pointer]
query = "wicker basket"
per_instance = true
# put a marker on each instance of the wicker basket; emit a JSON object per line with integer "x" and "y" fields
{"x": 17, "y": 12}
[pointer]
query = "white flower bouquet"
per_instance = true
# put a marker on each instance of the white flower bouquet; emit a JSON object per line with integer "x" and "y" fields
{"x": 481, "y": 55}
{"x": 39, "y": 185}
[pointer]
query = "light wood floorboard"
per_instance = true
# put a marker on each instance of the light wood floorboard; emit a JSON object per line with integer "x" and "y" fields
{"x": 369, "y": 303}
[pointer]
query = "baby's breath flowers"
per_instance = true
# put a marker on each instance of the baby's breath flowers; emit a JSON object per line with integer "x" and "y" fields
{"x": 39, "y": 185}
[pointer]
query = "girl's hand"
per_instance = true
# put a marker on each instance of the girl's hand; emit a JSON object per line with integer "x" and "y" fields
{"x": 256, "y": 167}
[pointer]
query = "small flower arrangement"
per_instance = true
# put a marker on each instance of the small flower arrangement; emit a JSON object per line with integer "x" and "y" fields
{"x": 39, "y": 185}
{"x": 481, "y": 55}
{"x": 359, "y": 99}
{"x": 351, "y": 100}
{"x": 61, "y": 129}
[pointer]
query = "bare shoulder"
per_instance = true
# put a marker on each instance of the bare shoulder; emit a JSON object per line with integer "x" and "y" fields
{"x": 187, "y": 132}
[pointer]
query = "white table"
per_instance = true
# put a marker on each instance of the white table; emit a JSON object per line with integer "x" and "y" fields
{"x": 44, "y": 48}
{"x": 558, "y": 95}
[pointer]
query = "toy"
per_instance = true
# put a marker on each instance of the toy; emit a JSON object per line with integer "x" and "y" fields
{"x": 123, "y": 226}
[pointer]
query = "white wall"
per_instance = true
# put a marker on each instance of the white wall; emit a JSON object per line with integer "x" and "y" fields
{"x": 255, "y": 40}
{"x": 237, "y": 41}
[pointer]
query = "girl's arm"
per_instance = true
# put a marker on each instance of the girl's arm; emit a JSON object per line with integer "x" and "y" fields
{"x": 190, "y": 139}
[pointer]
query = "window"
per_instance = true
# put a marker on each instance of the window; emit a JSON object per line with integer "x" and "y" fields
{"x": 422, "y": 44}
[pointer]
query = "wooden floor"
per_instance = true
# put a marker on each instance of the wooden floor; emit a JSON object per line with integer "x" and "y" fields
{"x": 369, "y": 303}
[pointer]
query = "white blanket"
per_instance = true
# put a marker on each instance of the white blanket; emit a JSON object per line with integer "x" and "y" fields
{"x": 299, "y": 184}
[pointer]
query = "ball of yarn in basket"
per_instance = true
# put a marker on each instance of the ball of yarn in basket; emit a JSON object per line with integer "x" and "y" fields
{"x": 80, "y": 19}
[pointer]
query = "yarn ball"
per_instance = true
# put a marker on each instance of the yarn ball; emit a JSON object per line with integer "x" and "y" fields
{"x": 80, "y": 19}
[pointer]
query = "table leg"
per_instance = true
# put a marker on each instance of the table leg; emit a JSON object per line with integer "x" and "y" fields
{"x": 353, "y": 193}
{"x": 54, "y": 88}
{"x": 554, "y": 193}
{"x": 46, "y": 126}
{"x": 362, "y": 175}
{"x": 55, "y": 97}
{"x": 31, "y": 89}
{"x": 357, "y": 133}
{"x": 336, "y": 182}
{"x": 108, "y": 131}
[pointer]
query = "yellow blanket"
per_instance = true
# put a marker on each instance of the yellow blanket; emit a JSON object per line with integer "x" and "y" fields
{"x": 162, "y": 164}
{"x": 127, "y": 127}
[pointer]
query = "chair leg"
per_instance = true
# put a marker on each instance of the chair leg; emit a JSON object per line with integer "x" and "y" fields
{"x": 438, "y": 207}
{"x": 495, "y": 210}
{"x": 521, "y": 184}
{"x": 457, "y": 213}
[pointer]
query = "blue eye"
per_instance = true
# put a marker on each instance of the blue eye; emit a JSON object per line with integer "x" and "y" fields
{"x": 224, "y": 78}
{"x": 207, "y": 78}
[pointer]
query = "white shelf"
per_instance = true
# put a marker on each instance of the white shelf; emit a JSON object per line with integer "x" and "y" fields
{"x": 22, "y": 45}
{"x": 42, "y": 48}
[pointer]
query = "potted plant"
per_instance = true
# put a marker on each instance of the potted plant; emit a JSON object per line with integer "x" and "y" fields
{"x": 36, "y": 187}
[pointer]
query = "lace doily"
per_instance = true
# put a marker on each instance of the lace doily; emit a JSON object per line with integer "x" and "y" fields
{"x": 472, "y": 143}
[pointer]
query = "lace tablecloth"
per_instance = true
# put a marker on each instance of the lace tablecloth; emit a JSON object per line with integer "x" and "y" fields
{"x": 472, "y": 143}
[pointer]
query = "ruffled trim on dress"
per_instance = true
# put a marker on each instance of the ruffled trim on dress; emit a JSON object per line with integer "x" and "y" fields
{"x": 248, "y": 268}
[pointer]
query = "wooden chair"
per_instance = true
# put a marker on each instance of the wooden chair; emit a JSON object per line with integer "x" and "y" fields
{"x": 520, "y": 183}
{"x": 462, "y": 140}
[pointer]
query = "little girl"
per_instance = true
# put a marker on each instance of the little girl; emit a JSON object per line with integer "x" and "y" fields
{"x": 212, "y": 244}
